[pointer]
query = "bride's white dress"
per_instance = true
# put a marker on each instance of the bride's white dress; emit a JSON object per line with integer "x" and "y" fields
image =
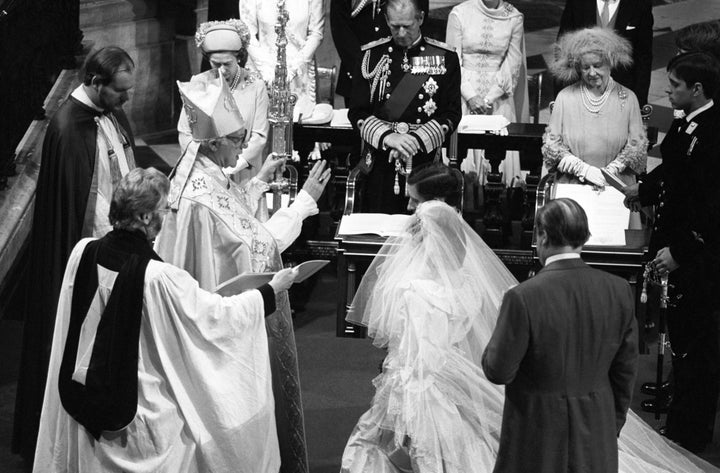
{"x": 434, "y": 411}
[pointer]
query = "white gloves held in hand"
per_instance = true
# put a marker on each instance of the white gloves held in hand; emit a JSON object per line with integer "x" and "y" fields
{"x": 578, "y": 168}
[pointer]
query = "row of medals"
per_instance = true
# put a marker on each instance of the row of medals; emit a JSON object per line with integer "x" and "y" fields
{"x": 433, "y": 65}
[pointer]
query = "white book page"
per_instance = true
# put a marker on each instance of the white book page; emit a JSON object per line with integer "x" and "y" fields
{"x": 607, "y": 216}
{"x": 373, "y": 224}
{"x": 248, "y": 281}
{"x": 482, "y": 123}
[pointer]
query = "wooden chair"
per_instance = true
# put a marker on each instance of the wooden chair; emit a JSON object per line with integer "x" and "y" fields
{"x": 325, "y": 84}
{"x": 652, "y": 131}
{"x": 535, "y": 87}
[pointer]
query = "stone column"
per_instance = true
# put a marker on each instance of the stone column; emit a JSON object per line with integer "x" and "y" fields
{"x": 147, "y": 33}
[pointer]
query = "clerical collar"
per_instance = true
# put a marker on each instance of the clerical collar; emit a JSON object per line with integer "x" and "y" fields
{"x": 84, "y": 98}
{"x": 561, "y": 256}
{"x": 697, "y": 112}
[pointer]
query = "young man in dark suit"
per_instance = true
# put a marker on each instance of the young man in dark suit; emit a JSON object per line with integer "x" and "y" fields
{"x": 631, "y": 19}
{"x": 685, "y": 243}
{"x": 566, "y": 346}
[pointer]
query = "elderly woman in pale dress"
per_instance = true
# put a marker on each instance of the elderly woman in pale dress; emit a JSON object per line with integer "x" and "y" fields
{"x": 489, "y": 38}
{"x": 595, "y": 123}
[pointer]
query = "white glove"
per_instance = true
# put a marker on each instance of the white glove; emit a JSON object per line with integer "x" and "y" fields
{"x": 573, "y": 165}
{"x": 594, "y": 176}
{"x": 615, "y": 167}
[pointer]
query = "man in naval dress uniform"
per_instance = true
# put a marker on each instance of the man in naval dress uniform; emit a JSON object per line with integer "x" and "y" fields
{"x": 354, "y": 23}
{"x": 405, "y": 101}
{"x": 685, "y": 244}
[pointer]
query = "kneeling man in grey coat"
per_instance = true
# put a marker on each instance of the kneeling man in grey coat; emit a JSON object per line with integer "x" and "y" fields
{"x": 566, "y": 347}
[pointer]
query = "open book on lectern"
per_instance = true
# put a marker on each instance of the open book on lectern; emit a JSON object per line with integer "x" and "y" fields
{"x": 248, "y": 281}
{"x": 608, "y": 218}
{"x": 373, "y": 224}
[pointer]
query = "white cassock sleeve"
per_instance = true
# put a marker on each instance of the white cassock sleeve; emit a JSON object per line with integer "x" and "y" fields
{"x": 286, "y": 223}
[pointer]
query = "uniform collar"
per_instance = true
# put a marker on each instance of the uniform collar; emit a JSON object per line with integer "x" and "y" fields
{"x": 700, "y": 110}
{"x": 415, "y": 45}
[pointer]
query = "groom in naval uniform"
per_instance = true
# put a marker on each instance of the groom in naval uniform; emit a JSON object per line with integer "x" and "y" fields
{"x": 566, "y": 346}
{"x": 405, "y": 101}
{"x": 685, "y": 244}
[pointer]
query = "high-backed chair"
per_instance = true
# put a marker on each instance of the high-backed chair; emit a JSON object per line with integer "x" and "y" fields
{"x": 325, "y": 84}
{"x": 535, "y": 85}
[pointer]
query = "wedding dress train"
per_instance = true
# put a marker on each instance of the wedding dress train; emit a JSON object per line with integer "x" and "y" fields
{"x": 431, "y": 298}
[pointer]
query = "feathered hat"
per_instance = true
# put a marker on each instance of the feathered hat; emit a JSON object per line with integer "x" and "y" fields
{"x": 571, "y": 46}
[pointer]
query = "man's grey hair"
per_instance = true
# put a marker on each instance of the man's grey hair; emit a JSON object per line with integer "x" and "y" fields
{"x": 401, "y": 4}
{"x": 139, "y": 191}
{"x": 564, "y": 222}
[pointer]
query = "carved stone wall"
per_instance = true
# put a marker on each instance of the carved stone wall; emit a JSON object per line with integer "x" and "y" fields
{"x": 146, "y": 30}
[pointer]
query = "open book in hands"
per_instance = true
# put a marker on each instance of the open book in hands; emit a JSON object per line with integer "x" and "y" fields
{"x": 247, "y": 281}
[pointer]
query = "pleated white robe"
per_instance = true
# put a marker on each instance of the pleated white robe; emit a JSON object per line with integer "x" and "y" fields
{"x": 205, "y": 400}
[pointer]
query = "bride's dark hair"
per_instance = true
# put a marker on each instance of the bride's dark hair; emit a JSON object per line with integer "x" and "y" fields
{"x": 438, "y": 181}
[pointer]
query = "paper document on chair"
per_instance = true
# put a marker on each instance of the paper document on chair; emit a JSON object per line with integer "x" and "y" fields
{"x": 482, "y": 123}
{"x": 373, "y": 224}
{"x": 340, "y": 119}
{"x": 607, "y": 215}
{"x": 247, "y": 281}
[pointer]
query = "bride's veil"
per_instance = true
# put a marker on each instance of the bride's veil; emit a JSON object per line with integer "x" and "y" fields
{"x": 437, "y": 245}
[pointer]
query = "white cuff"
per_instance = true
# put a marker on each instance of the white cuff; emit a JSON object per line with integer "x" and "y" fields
{"x": 304, "y": 205}
{"x": 256, "y": 188}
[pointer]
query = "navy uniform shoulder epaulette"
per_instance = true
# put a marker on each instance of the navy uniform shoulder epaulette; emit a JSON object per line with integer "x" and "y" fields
{"x": 439, "y": 44}
{"x": 377, "y": 42}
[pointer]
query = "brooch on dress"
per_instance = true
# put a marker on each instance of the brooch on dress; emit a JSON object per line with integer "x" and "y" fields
{"x": 623, "y": 97}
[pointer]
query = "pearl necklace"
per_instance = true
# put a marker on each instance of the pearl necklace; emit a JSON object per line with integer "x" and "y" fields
{"x": 592, "y": 104}
{"x": 236, "y": 80}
